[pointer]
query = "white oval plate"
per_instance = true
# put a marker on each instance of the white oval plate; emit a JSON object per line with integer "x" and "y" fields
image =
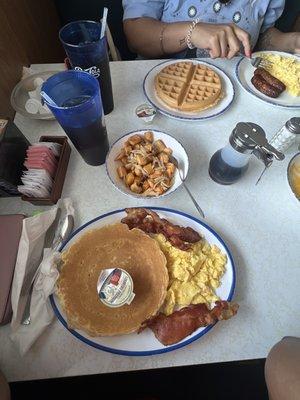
{"x": 178, "y": 152}
{"x": 220, "y": 108}
{"x": 244, "y": 72}
{"x": 145, "y": 343}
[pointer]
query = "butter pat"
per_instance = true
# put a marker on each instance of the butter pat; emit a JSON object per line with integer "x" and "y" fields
{"x": 115, "y": 287}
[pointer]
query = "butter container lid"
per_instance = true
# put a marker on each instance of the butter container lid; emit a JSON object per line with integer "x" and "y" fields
{"x": 115, "y": 287}
{"x": 146, "y": 112}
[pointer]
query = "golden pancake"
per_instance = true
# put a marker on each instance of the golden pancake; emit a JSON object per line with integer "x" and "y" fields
{"x": 109, "y": 247}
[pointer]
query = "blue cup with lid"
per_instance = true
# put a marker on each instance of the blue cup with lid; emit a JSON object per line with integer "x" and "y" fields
{"x": 87, "y": 51}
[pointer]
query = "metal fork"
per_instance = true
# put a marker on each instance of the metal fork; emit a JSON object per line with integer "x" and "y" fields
{"x": 257, "y": 62}
{"x": 175, "y": 162}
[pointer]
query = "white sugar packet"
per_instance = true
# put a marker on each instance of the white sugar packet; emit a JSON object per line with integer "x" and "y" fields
{"x": 45, "y": 274}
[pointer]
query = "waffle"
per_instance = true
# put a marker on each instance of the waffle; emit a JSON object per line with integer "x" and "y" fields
{"x": 186, "y": 86}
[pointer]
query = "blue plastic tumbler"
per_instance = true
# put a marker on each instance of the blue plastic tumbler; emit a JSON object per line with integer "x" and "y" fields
{"x": 87, "y": 52}
{"x": 78, "y": 109}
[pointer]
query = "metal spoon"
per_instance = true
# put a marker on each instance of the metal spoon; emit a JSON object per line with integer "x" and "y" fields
{"x": 175, "y": 162}
{"x": 63, "y": 231}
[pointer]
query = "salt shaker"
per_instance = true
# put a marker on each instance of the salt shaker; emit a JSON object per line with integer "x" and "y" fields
{"x": 287, "y": 136}
{"x": 231, "y": 162}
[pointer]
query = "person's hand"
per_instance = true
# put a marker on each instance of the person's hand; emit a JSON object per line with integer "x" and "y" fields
{"x": 221, "y": 40}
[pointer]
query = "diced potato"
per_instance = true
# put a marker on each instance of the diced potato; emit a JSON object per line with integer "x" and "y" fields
{"x": 120, "y": 155}
{"x": 170, "y": 165}
{"x": 145, "y": 185}
{"x": 135, "y": 188}
{"x": 138, "y": 171}
{"x": 148, "y": 168}
{"x": 141, "y": 160}
{"x": 148, "y": 147}
{"x": 170, "y": 170}
{"x": 159, "y": 146}
{"x": 129, "y": 179}
{"x": 138, "y": 180}
{"x": 168, "y": 151}
{"x": 128, "y": 167}
{"x": 137, "y": 146}
{"x": 127, "y": 150}
{"x": 135, "y": 139}
{"x": 124, "y": 160}
{"x": 163, "y": 157}
{"x": 148, "y": 136}
{"x": 121, "y": 171}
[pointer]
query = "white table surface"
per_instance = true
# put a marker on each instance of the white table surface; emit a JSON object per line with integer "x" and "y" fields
{"x": 259, "y": 223}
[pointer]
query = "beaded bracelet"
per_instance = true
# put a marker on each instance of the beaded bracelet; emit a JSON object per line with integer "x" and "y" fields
{"x": 189, "y": 34}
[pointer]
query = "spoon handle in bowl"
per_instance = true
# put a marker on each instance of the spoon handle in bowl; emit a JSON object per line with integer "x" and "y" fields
{"x": 193, "y": 200}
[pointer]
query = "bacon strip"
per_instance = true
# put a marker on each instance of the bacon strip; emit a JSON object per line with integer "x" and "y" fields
{"x": 175, "y": 327}
{"x": 149, "y": 222}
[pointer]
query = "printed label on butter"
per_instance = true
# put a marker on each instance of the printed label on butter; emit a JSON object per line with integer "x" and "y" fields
{"x": 145, "y": 112}
{"x": 115, "y": 287}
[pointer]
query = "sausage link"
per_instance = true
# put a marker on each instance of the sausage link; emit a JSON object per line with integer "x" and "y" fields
{"x": 264, "y": 87}
{"x": 270, "y": 79}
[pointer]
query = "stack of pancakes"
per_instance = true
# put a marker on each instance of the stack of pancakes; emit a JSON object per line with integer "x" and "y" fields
{"x": 109, "y": 247}
{"x": 186, "y": 86}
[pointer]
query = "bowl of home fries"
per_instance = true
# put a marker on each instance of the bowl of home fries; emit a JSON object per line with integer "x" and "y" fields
{"x": 139, "y": 164}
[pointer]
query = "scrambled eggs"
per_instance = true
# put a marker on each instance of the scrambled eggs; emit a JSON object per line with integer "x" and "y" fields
{"x": 194, "y": 275}
{"x": 286, "y": 69}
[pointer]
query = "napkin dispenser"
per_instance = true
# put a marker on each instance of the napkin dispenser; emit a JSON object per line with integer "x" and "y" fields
{"x": 10, "y": 233}
{"x": 13, "y": 145}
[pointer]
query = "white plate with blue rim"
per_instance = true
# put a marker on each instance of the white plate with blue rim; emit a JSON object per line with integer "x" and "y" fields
{"x": 212, "y": 112}
{"x": 145, "y": 343}
{"x": 244, "y": 72}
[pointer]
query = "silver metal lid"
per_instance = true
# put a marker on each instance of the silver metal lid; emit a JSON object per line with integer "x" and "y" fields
{"x": 293, "y": 125}
{"x": 248, "y": 137}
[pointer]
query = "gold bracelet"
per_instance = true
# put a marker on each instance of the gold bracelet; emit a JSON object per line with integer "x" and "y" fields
{"x": 161, "y": 39}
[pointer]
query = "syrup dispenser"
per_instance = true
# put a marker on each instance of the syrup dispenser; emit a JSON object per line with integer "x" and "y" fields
{"x": 231, "y": 162}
